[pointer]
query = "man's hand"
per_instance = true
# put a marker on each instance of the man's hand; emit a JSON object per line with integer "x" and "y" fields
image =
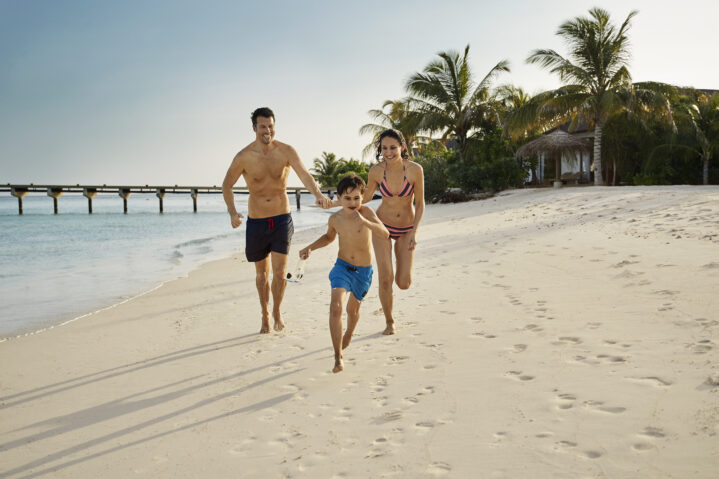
{"x": 324, "y": 202}
{"x": 236, "y": 219}
{"x": 305, "y": 252}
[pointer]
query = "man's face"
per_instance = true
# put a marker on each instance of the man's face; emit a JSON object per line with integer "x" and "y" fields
{"x": 351, "y": 199}
{"x": 265, "y": 129}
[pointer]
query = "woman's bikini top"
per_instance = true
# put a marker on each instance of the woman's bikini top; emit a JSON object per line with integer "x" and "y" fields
{"x": 406, "y": 189}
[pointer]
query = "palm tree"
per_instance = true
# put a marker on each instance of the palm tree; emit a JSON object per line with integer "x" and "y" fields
{"x": 448, "y": 99}
{"x": 325, "y": 170}
{"x": 598, "y": 83}
{"x": 700, "y": 113}
{"x": 399, "y": 116}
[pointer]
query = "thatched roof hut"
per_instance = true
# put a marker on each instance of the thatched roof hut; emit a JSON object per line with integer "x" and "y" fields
{"x": 553, "y": 145}
{"x": 557, "y": 141}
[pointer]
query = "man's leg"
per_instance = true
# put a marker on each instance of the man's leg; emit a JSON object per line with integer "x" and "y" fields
{"x": 353, "y": 308}
{"x": 385, "y": 272}
{"x": 279, "y": 269}
{"x": 262, "y": 273}
{"x": 336, "y": 304}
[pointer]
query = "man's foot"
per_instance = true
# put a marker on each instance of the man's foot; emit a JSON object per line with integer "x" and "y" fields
{"x": 346, "y": 339}
{"x": 279, "y": 324}
{"x": 339, "y": 366}
{"x": 389, "y": 329}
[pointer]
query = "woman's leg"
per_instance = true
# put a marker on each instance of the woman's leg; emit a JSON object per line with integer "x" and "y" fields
{"x": 405, "y": 262}
{"x": 385, "y": 273}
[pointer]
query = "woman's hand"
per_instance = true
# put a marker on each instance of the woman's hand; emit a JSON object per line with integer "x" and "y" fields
{"x": 412, "y": 239}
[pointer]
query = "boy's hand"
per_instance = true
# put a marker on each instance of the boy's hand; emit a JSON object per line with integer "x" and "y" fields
{"x": 305, "y": 252}
{"x": 360, "y": 217}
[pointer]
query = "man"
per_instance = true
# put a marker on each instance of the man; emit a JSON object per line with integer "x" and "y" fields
{"x": 265, "y": 164}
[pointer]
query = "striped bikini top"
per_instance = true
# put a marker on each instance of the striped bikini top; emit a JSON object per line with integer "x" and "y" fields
{"x": 406, "y": 189}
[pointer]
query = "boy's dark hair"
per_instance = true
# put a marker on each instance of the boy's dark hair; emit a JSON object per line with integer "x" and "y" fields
{"x": 263, "y": 112}
{"x": 350, "y": 182}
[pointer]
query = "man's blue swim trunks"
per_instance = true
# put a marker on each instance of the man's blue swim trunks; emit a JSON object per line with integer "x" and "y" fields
{"x": 268, "y": 234}
{"x": 356, "y": 279}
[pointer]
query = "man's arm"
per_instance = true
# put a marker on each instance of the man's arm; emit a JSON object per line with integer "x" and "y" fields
{"x": 306, "y": 178}
{"x": 373, "y": 222}
{"x": 322, "y": 241}
{"x": 233, "y": 174}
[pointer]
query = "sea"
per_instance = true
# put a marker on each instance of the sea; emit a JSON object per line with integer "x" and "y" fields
{"x": 55, "y": 268}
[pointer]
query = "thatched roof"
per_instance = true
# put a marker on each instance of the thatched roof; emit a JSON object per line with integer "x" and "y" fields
{"x": 557, "y": 141}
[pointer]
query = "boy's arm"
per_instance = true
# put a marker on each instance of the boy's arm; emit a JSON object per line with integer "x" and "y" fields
{"x": 372, "y": 222}
{"x": 322, "y": 241}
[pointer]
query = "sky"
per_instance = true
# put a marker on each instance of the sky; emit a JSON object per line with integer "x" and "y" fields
{"x": 160, "y": 92}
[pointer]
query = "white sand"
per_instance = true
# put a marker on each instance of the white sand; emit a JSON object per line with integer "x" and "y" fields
{"x": 548, "y": 334}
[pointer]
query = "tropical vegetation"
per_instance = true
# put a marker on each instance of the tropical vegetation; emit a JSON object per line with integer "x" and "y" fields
{"x": 465, "y": 131}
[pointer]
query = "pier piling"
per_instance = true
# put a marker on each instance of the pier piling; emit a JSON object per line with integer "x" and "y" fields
{"x": 194, "y": 194}
{"x": 160, "y": 193}
{"x": 124, "y": 194}
{"x": 19, "y": 193}
{"x": 89, "y": 193}
{"x": 54, "y": 193}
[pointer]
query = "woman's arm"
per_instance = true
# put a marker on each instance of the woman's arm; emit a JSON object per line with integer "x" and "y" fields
{"x": 418, "y": 203}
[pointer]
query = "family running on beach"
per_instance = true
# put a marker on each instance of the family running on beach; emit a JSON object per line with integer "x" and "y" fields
{"x": 265, "y": 165}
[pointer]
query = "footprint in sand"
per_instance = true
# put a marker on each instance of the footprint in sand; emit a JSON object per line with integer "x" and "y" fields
{"x": 652, "y": 380}
{"x": 599, "y": 406}
{"x": 567, "y": 340}
{"x": 534, "y": 328}
{"x": 519, "y": 376}
{"x": 439, "y": 469}
{"x": 701, "y": 347}
{"x": 566, "y": 401}
{"x": 519, "y": 348}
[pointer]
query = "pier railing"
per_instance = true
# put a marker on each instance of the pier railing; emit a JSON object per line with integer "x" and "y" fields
{"x": 90, "y": 191}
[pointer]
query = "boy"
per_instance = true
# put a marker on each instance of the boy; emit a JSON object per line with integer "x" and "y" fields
{"x": 352, "y": 272}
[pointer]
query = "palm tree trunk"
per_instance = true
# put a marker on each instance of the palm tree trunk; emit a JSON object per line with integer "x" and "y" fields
{"x": 598, "y": 173}
{"x": 705, "y": 169}
{"x": 614, "y": 172}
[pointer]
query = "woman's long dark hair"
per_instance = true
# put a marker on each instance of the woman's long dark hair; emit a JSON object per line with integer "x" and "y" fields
{"x": 397, "y": 135}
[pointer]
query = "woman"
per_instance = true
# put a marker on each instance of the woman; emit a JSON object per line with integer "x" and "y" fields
{"x": 401, "y": 184}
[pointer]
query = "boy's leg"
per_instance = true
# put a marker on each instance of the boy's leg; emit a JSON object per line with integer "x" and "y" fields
{"x": 383, "y": 253}
{"x": 336, "y": 304}
{"x": 353, "y": 307}
{"x": 262, "y": 273}
{"x": 279, "y": 269}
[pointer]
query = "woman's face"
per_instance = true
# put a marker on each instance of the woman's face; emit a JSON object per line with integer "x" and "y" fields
{"x": 391, "y": 149}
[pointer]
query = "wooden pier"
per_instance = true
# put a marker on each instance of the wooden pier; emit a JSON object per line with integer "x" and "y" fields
{"x": 90, "y": 191}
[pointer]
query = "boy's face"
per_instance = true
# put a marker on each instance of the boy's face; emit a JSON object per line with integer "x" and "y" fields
{"x": 351, "y": 199}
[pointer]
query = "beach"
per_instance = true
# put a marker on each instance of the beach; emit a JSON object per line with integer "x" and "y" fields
{"x": 548, "y": 333}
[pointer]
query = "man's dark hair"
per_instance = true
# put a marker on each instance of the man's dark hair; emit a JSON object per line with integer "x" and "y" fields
{"x": 263, "y": 112}
{"x": 350, "y": 182}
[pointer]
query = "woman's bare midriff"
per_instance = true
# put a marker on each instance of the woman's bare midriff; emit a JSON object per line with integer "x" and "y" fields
{"x": 396, "y": 211}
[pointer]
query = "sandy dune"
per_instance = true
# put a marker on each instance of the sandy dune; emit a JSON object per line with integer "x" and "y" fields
{"x": 548, "y": 334}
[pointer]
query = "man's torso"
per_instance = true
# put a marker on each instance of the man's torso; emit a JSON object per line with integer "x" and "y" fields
{"x": 266, "y": 177}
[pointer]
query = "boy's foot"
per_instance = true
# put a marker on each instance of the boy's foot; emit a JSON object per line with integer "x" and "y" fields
{"x": 339, "y": 366}
{"x": 389, "y": 329}
{"x": 265, "y": 328}
{"x": 346, "y": 339}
